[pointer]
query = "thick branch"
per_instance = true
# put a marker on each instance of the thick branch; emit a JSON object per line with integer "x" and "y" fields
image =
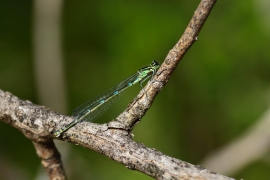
{"x": 30, "y": 120}
{"x": 38, "y": 122}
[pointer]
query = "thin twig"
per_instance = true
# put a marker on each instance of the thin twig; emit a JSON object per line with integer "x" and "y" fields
{"x": 37, "y": 122}
{"x": 138, "y": 108}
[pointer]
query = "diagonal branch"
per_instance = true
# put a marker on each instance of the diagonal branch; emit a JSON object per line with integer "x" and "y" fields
{"x": 141, "y": 104}
{"x": 112, "y": 139}
{"x": 37, "y": 122}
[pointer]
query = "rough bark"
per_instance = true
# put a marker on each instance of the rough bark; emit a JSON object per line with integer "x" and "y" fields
{"x": 113, "y": 139}
{"x": 37, "y": 123}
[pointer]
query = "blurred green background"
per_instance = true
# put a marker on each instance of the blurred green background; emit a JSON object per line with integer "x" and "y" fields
{"x": 218, "y": 91}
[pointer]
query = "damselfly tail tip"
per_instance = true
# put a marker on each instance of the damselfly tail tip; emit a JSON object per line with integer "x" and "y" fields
{"x": 57, "y": 133}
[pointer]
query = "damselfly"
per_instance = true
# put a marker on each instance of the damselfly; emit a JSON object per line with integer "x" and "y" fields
{"x": 94, "y": 108}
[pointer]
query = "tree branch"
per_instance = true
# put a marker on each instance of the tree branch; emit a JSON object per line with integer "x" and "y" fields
{"x": 50, "y": 159}
{"x": 138, "y": 108}
{"x": 113, "y": 139}
{"x": 37, "y": 122}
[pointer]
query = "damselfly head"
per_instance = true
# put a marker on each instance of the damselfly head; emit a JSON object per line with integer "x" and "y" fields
{"x": 155, "y": 64}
